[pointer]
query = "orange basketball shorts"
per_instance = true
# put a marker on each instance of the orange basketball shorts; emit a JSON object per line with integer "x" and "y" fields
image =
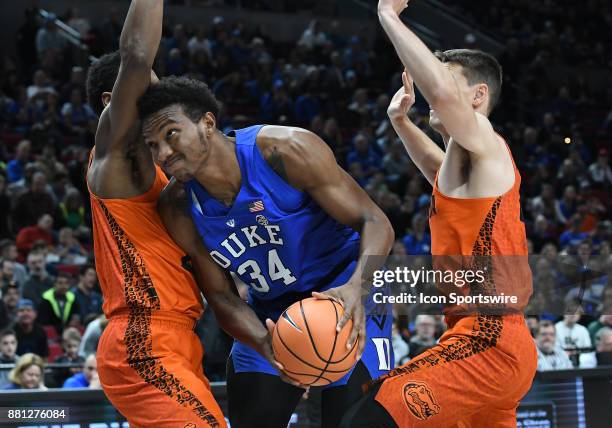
{"x": 150, "y": 367}
{"x": 475, "y": 377}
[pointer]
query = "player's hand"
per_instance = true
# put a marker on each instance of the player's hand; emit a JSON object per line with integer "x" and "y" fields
{"x": 402, "y": 100}
{"x": 397, "y": 6}
{"x": 349, "y": 296}
{"x": 268, "y": 353}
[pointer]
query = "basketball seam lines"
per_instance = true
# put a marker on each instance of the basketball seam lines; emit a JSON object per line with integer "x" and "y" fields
{"x": 300, "y": 359}
{"x": 312, "y": 340}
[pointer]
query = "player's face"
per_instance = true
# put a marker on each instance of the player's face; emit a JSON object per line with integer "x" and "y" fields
{"x": 178, "y": 145}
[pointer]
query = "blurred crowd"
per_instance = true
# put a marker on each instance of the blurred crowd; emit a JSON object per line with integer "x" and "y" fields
{"x": 338, "y": 85}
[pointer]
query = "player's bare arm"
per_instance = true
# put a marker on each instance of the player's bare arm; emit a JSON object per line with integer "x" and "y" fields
{"x": 307, "y": 163}
{"x": 122, "y": 165}
{"x": 425, "y": 153}
{"x": 468, "y": 128}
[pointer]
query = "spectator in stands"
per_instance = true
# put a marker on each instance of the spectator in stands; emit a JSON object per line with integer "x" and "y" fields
{"x": 78, "y": 117}
{"x": 418, "y": 240}
{"x": 600, "y": 171}
{"x": 550, "y": 354}
{"x": 424, "y": 337}
{"x": 78, "y": 22}
{"x": 313, "y": 36}
{"x": 199, "y": 43}
{"x": 400, "y": 347}
{"x": 69, "y": 249}
{"x": 77, "y": 81}
{"x": 89, "y": 300}
{"x": 28, "y": 236}
{"x": 544, "y": 203}
{"x": 567, "y": 205}
{"x": 88, "y": 378}
{"x": 8, "y": 352}
{"x": 603, "y": 345}
{"x": 15, "y": 168}
{"x": 39, "y": 279}
{"x": 8, "y": 305}
{"x": 91, "y": 337}
{"x": 364, "y": 155}
{"x": 605, "y": 320}
{"x": 32, "y": 204}
{"x": 39, "y": 89}
{"x": 59, "y": 307}
{"x": 31, "y": 337}
{"x": 276, "y": 103}
{"x": 8, "y": 251}
{"x": 7, "y": 273}
{"x": 28, "y": 373}
{"x": 573, "y": 235}
{"x": 574, "y": 339}
{"x": 5, "y": 206}
{"x": 72, "y": 211}
{"x": 532, "y": 322}
{"x": 48, "y": 38}
{"x": 71, "y": 340}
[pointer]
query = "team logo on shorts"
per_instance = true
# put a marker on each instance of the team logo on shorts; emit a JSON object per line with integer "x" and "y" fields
{"x": 262, "y": 220}
{"x": 190, "y": 425}
{"x": 420, "y": 400}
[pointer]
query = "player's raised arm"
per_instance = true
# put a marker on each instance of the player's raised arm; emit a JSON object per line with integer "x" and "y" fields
{"x": 307, "y": 163}
{"x": 455, "y": 108}
{"x": 138, "y": 46}
{"x": 425, "y": 153}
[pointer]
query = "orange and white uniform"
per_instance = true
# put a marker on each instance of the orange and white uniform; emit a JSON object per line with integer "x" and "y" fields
{"x": 149, "y": 358}
{"x": 485, "y": 362}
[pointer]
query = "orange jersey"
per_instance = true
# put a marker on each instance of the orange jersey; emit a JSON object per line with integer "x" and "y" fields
{"x": 139, "y": 266}
{"x": 490, "y": 234}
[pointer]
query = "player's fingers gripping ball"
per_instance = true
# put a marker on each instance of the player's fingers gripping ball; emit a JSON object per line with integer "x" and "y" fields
{"x": 306, "y": 343}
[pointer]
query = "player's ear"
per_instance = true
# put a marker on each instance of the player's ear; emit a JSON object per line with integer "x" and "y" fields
{"x": 210, "y": 123}
{"x": 480, "y": 95}
{"x": 106, "y": 98}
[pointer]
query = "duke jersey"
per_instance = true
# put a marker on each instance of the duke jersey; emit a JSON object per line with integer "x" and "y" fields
{"x": 275, "y": 238}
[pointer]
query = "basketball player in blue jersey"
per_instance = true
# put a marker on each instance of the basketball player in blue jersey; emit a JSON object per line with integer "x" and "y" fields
{"x": 270, "y": 204}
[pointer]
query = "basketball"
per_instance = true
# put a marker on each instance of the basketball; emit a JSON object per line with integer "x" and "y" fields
{"x": 306, "y": 343}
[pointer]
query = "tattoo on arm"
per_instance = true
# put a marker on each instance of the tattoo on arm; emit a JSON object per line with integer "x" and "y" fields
{"x": 275, "y": 161}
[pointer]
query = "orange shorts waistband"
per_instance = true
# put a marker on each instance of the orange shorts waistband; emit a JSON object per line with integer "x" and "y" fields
{"x": 158, "y": 317}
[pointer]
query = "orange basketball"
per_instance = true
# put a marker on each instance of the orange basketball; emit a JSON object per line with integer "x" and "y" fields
{"x": 306, "y": 343}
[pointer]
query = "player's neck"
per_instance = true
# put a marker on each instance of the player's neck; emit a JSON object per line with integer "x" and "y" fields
{"x": 220, "y": 175}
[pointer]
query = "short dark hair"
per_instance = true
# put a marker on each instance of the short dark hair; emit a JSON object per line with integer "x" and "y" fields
{"x": 7, "y": 332}
{"x": 101, "y": 78}
{"x": 478, "y": 67}
{"x": 63, "y": 274}
{"x": 544, "y": 324}
{"x": 194, "y": 96}
{"x": 84, "y": 268}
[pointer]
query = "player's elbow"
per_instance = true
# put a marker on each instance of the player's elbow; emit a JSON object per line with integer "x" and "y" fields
{"x": 385, "y": 229}
{"x": 389, "y": 233}
{"x": 133, "y": 53}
